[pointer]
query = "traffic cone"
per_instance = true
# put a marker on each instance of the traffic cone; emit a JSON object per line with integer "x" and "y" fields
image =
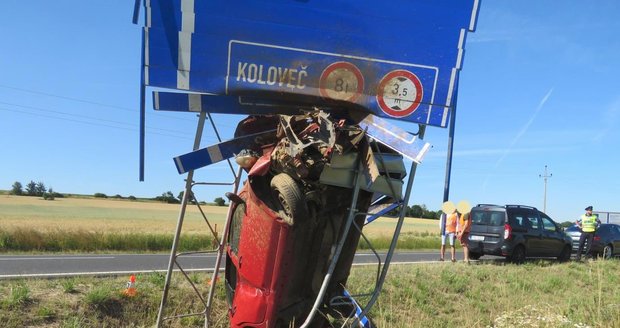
{"x": 210, "y": 281}
{"x": 131, "y": 287}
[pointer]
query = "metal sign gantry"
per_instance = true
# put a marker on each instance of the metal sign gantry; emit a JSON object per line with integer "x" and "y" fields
{"x": 398, "y": 60}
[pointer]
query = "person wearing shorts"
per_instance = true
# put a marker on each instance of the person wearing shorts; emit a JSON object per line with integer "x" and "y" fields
{"x": 462, "y": 234}
{"x": 450, "y": 235}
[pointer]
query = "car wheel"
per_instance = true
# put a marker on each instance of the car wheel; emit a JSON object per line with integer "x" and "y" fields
{"x": 474, "y": 255}
{"x": 289, "y": 197}
{"x": 518, "y": 254}
{"x": 608, "y": 252}
{"x": 565, "y": 254}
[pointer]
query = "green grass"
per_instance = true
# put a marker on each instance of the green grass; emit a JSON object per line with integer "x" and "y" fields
{"x": 536, "y": 294}
{"x": 31, "y": 224}
{"x": 19, "y": 295}
{"x": 406, "y": 241}
{"x": 32, "y": 240}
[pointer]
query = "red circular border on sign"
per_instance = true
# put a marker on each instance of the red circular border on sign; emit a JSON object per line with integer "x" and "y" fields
{"x": 342, "y": 64}
{"x": 416, "y": 102}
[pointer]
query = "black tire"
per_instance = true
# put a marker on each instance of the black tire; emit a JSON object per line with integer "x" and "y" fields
{"x": 475, "y": 255}
{"x": 289, "y": 198}
{"x": 608, "y": 252}
{"x": 518, "y": 255}
{"x": 565, "y": 254}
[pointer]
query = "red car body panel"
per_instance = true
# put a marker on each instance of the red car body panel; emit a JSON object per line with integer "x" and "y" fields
{"x": 262, "y": 274}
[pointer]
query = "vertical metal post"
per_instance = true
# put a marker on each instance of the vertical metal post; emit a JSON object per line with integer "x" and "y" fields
{"x": 142, "y": 108}
{"x": 545, "y": 176}
{"x": 175, "y": 242}
{"x": 220, "y": 250}
{"x": 399, "y": 225}
{"x": 446, "y": 187}
{"x": 338, "y": 249}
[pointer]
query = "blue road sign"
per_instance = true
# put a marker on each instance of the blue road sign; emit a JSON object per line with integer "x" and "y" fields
{"x": 397, "y": 59}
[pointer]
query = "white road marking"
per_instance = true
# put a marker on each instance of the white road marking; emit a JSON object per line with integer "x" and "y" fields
{"x": 57, "y": 258}
{"x": 101, "y": 273}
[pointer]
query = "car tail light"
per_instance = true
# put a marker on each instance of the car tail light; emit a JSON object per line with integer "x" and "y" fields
{"x": 597, "y": 238}
{"x": 507, "y": 231}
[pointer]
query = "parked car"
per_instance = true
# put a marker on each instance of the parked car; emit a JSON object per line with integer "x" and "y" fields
{"x": 606, "y": 242}
{"x": 516, "y": 232}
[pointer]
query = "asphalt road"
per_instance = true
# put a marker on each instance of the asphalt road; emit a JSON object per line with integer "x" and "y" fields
{"x": 49, "y": 266}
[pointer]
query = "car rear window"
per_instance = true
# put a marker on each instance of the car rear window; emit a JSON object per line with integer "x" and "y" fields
{"x": 492, "y": 218}
{"x": 572, "y": 228}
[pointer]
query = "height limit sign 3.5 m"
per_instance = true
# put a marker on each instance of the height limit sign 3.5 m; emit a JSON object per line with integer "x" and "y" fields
{"x": 399, "y": 93}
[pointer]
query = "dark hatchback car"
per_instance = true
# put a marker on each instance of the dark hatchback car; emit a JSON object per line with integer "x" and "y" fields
{"x": 606, "y": 242}
{"x": 516, "y": 232}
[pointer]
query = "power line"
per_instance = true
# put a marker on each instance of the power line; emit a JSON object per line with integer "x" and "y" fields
{"x": 68, "y": 98}
{"x": 90, "y": 123}
{"x": 46, "y": 110}
{"x": 90, "y": 102}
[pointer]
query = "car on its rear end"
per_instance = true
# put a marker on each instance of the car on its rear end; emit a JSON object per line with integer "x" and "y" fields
{"x": 516, "y": 232}
{"x": 606, "y": 242}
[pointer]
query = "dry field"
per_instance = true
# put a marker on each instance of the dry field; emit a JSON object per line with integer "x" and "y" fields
{"x": 121, "y": 216}
{"x": 102, "y": 215}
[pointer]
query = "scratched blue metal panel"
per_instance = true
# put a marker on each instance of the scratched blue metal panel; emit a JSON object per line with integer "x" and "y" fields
{"x": 215, "y": 153}
{"x": 398, "y": 58}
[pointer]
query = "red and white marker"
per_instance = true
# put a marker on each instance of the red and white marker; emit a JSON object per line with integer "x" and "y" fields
{"x": 399, "y": 93}
{"x": 341, "y": 81}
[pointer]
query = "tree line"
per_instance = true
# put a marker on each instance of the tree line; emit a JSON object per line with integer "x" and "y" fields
{"x": 418, "y": 211}
{"x": 39, "y": 189}
{"x": 34, "y": 189}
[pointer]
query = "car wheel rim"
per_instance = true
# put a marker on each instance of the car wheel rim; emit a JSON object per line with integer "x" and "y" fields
{"x": 519, "y": 255}
{"x": 607, "y": 251}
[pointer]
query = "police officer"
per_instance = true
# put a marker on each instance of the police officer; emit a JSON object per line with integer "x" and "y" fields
{"x": 588, "y": 223}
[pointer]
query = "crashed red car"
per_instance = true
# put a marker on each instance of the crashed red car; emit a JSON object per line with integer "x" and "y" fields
{"x": 287, "y": 217}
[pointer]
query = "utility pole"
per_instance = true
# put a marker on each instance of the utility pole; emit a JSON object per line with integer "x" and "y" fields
{"x": 545, "y": 176}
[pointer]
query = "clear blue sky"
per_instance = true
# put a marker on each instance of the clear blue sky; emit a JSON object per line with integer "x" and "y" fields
{"x": 539, "y": 87}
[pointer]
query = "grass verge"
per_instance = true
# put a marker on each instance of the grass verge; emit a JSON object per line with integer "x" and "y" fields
{"x": 536, "y": 294}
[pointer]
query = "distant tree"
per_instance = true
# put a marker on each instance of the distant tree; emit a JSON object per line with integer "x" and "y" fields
{"x": 566, "y": 224}
{"x": 100, "y": 195}
{"x": 17, "y": 189}
{"x": 167, "y": 197}
{"x": 132, "y": 197}
{"x": 40, "y": 188}
{"x": 31, "y": 188}
{"x": 57, "y": 194}
{"x": 49, "y": 195}
{"x": 219, "y": 201}
{"x": 117, "y": 196}
{"x": 191, "y": 199}
{"x": 416, "y": 211}
{"x": 432, "y": 214}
